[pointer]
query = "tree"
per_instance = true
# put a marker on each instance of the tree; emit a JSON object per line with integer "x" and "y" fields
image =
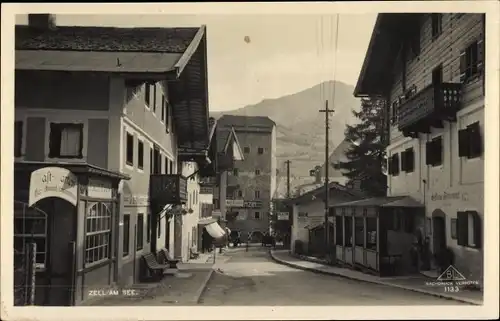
{"x": 366, "y": 154}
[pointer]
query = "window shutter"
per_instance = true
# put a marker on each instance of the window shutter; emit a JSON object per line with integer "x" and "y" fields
{"x": 389, "y": 165}
{"x": 428, "y": 153}
{"x": 396, "y": 163}
{"x": 475, "y": 140}
{"x": 480, "y": 55}
{"x": 478, "y": 237}
{"x": 463, "y": 143}
{"x": 462, "y": 228}
{"x": 437, "y": 150}
{"x": 463, "y": 66}
{"x": 18, "y": 138}
{"x": 410, "y": 162}
{"x": 403, "y": 161}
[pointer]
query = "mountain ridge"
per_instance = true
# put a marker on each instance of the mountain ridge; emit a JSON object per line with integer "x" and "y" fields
{"x": 300, "y": 127}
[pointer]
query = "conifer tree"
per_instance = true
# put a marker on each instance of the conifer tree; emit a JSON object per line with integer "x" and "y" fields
{"x": 366, "y": 154}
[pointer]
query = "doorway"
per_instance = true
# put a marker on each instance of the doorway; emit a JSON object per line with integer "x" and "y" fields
{"x": 439, "y": 233}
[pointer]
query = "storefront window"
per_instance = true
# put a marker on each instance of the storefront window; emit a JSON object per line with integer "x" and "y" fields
{"x": 30, "y": 226}
{"x": 371, "y": 233}
{"x": 98, "y": 233}
{"x": 359, "y": 230}
{"x": 338, "y": 230}
{"x": 348, "y": 231}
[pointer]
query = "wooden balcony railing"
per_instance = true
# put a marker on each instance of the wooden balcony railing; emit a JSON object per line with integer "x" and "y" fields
{"x": 167, "y": 189}
{"x": 431, "y": 104}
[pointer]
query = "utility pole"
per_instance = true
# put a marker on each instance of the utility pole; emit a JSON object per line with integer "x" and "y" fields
{"x": 287, "y": 178}
{"x": 327, "y": 165}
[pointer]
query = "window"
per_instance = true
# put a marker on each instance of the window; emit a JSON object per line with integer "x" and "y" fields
{"x": 240, "y": 193}
{"x": 359, "y": 233}
{"x": 394, "y": 112}
{"x": 163, "y": 108}
{"x": 257, "y": 215}
{"x": 154, "y": 97}
{"x": 434, "y": 152}
{"x": 18, "y": 138}
{"x": 393, "y": 165}
{"x": 156, "y": 160}
{"x": 470, "y": 143}
{"x": 408, "y": 160}
{"x": 126, "y": 234}
{"x": 171, "y": 167}
{"x": 260, "y": 150}
{"x": 159, "y": 228}
{"x": 235, "y": 172}
{"x": 66, "y": 140}
{"x": 371, "y": 233}
{"x": 167, "y": 115}
{"x": 140, "y": 155}
{"x": 337, "y": 166}
{"x": 257, "y": 194}
{"x": 453, "y": 227}
{"x": 98, "y": 233}
{"x": 257, "y": 172}
{"x": 148, "y": 229}
{"x": 437, "y": 24}
{"x": 130, "y": 149}
{"x": 472, "y": 61}
{"x": 469, "y": 229}
{"x": 166, "y": 165}
{"x": 147, "y": 95}
{"x": 140, "y": 231}
{"x": 30, "y": 226}
{"x": 246, "y": 150}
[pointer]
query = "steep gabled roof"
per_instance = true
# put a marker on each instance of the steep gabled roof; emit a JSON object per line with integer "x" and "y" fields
{"x": 246, "y": 121}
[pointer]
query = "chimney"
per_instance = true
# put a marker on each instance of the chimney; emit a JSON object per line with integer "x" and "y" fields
{"x": 42, "y": 21}
{"x": 318, "y": 174}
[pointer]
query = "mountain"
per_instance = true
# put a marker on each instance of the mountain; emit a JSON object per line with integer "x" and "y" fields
{"x": 301, "y": 127}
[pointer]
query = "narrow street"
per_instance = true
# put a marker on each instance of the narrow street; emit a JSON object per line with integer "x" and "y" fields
{"x": 252, "y": 278}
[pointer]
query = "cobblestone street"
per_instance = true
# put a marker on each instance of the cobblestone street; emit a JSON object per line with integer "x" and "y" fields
{"x": 252, "y": 278}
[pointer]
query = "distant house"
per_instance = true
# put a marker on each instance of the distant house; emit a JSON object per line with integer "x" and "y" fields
{"x": 308, "y": 216}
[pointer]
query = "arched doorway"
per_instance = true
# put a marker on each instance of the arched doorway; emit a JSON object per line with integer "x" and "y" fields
{"x": 438, "y": 231}
{"x": 257, "y": 237}
{"x": 51, "y": 224}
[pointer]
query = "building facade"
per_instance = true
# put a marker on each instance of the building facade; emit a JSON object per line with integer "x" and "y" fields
{"x": 252, "y": 182}
{"x": 118, "y": 124}
{"x": 432, "y": 67}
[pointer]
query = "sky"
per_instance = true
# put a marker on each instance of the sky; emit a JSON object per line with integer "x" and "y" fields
{"x": 283, "y": 54}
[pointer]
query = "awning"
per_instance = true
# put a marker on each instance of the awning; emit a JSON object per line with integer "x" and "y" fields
{"x": 388, "y": 201}
{"x": 207, "y": 220}
{"x": 404, "y": 202}
{"x": 215, "y": 230}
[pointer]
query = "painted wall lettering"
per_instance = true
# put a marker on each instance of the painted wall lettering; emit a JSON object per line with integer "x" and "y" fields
{"x": 53, "y": 182}
{"x": 99, "y": 189}
{"x": 449, "y": 196}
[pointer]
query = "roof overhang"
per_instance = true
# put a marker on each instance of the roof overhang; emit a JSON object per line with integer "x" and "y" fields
{"x": 97, "y": 61}
{"x": 389, "y": 31}
{"x": 388, "y": 201}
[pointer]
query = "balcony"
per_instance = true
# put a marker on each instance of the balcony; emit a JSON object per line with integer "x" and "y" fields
{"x": 429, "y": 108}
{"x": 167, "y": 189}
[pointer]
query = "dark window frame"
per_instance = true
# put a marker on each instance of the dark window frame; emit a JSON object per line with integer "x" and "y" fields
{"x": 246, "y": 150}
{"x": 140, "y": 154}
{"x": 472, "y": 59}
{"x": 56, "y": 130}
{"x": 126, "y": 235}
{"x": 393, "y": 165}
{"x": 129, "y": 149}
{"x": 18, "y": 138}
{"x": 257, "y": 172}
{"x": 408, "y": 160}
{"x": 470, "y": 141}
{"x": 433, "y": 148}
{"x": 147, "y": 95}
{"x": 463, "y": 229}
{"x": 436, "y": 25}
{"x": 140, "y": 232}
{"x": 257, "y": 194}
{"x": 256, "y": 215}
{"x": 260, "y": 150}
{"x": 154, "y": 98}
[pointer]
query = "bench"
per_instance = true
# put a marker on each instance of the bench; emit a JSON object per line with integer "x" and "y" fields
{"x": 164, "y": 257}
{"x": 194, "y": 253}
{"x": 157, "y": 270}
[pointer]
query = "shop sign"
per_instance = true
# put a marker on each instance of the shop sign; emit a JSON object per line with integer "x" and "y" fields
{"x": 99, "y": 189}
{"x": 445, "y": 196}
{"x": 252, "y": 204}
{"x": 136, "y": 200}
{"x": 53, "y": 182}
{"x": 282, "y": 216}
{"x": 234, "y": 203}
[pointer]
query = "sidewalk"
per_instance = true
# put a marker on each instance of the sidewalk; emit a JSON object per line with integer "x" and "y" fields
{"x": 411, "y": 283}
{"x": 183, "y": 288}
